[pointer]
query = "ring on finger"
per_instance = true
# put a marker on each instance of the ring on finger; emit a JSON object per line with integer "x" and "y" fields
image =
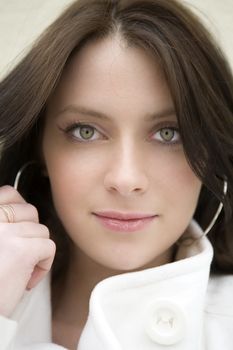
{"x": 9, "y": 212}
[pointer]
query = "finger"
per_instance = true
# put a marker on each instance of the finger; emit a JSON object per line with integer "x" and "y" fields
{"x": 46, "y": 249}
{"x": 24, "y": 229}
{"x": 10, "y": 195}
{"x": 37, "y": 275}
{"x": 18, "y": 212}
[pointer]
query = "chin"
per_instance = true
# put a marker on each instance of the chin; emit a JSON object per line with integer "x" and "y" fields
{"x": 124, "y": 265}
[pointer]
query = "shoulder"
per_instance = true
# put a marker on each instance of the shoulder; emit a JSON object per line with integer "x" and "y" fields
{"x": 219, "y": 295}
{"x": 218, "y": 313}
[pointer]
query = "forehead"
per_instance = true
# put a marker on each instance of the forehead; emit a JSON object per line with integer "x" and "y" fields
{"x": 110, "y": 75}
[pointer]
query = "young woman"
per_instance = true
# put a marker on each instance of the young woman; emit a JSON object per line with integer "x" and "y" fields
{"x": 117, "y": 150}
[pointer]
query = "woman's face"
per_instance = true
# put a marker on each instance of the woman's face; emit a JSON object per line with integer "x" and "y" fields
{"x": 125, "y": 157}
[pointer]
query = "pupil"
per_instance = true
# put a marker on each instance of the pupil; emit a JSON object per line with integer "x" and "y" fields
{"x": 167, "y": 134}
{"x": 86, "y": 132}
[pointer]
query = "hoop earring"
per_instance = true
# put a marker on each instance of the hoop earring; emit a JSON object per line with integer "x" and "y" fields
{"x": 218, "y": 211}
{"x": 19, "y": 173}
{"x": 187, "y": 241}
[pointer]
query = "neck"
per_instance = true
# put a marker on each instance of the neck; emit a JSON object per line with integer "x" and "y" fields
{"x": 71, "y": 294}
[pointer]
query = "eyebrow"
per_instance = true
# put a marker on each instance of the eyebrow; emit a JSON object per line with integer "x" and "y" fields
{"x": 100, "y": 115}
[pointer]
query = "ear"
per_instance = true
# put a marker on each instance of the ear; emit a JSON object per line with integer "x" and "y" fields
{"x": 44, "y": 171}
{"x": 41, "y": 160}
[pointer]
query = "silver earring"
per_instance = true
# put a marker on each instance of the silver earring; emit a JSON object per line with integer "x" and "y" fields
{"x": 187, "y": 241}
{"x": 207, "y": 230}
{"x": 19, "y": 173}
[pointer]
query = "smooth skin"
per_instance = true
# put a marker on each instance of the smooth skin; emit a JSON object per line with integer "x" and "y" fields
{"x": 124, "y": 161}
{"x": 26, "y": 251}
{"x": 123, "y": 164}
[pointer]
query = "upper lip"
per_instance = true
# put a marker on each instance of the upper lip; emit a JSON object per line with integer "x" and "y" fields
{"x": 123, "y": 216}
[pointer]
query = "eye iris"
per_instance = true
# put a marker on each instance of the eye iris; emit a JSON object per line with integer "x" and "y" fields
{"x": 86, "y": 132}
{"x": 167, "y": 134}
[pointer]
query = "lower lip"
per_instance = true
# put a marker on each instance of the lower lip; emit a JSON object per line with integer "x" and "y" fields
{"x": 124, "y": 225}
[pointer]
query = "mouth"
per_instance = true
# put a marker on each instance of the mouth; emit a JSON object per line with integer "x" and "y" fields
{"x": 124, "y": 222}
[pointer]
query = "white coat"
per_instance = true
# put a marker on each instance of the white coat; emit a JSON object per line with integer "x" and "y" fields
{"x": 176, "y": 306}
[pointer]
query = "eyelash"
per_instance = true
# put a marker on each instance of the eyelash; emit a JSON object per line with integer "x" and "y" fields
{"x": 75, "y": 125}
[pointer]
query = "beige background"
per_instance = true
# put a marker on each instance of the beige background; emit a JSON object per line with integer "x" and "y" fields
{"x": 21, "y": 21}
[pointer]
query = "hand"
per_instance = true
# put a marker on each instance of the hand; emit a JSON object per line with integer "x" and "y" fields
{"x": 26, "y": 251}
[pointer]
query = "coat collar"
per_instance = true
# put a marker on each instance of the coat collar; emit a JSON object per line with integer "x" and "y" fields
{"x": 152, "y": 308}
{"x": 147, "y": 310}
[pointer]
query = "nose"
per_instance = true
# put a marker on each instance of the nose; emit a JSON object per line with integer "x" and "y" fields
{"x": 126, "y": 173}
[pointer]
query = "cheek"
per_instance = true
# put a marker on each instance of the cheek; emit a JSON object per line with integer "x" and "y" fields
{"x": 176, "y": 183}
{"x": 73, "y": 174}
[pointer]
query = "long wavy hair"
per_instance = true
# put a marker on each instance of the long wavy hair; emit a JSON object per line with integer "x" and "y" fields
{"x": 201, "y": 87}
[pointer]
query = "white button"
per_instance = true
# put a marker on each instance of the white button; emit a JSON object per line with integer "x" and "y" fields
{"x": 165, "y": 322}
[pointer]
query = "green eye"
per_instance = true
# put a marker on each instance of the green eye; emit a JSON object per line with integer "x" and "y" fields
{"x": 167, "y": 134}
{"x": 81, "y": 132}
{"x": 86, "y": 132}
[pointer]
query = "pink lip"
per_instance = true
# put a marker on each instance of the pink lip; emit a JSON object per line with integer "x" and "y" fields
{"x": 123, "y": 216}
{"x": 124, "y": 222}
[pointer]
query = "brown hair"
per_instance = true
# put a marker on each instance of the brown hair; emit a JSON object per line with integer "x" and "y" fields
{"x": 200, "y": 83}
